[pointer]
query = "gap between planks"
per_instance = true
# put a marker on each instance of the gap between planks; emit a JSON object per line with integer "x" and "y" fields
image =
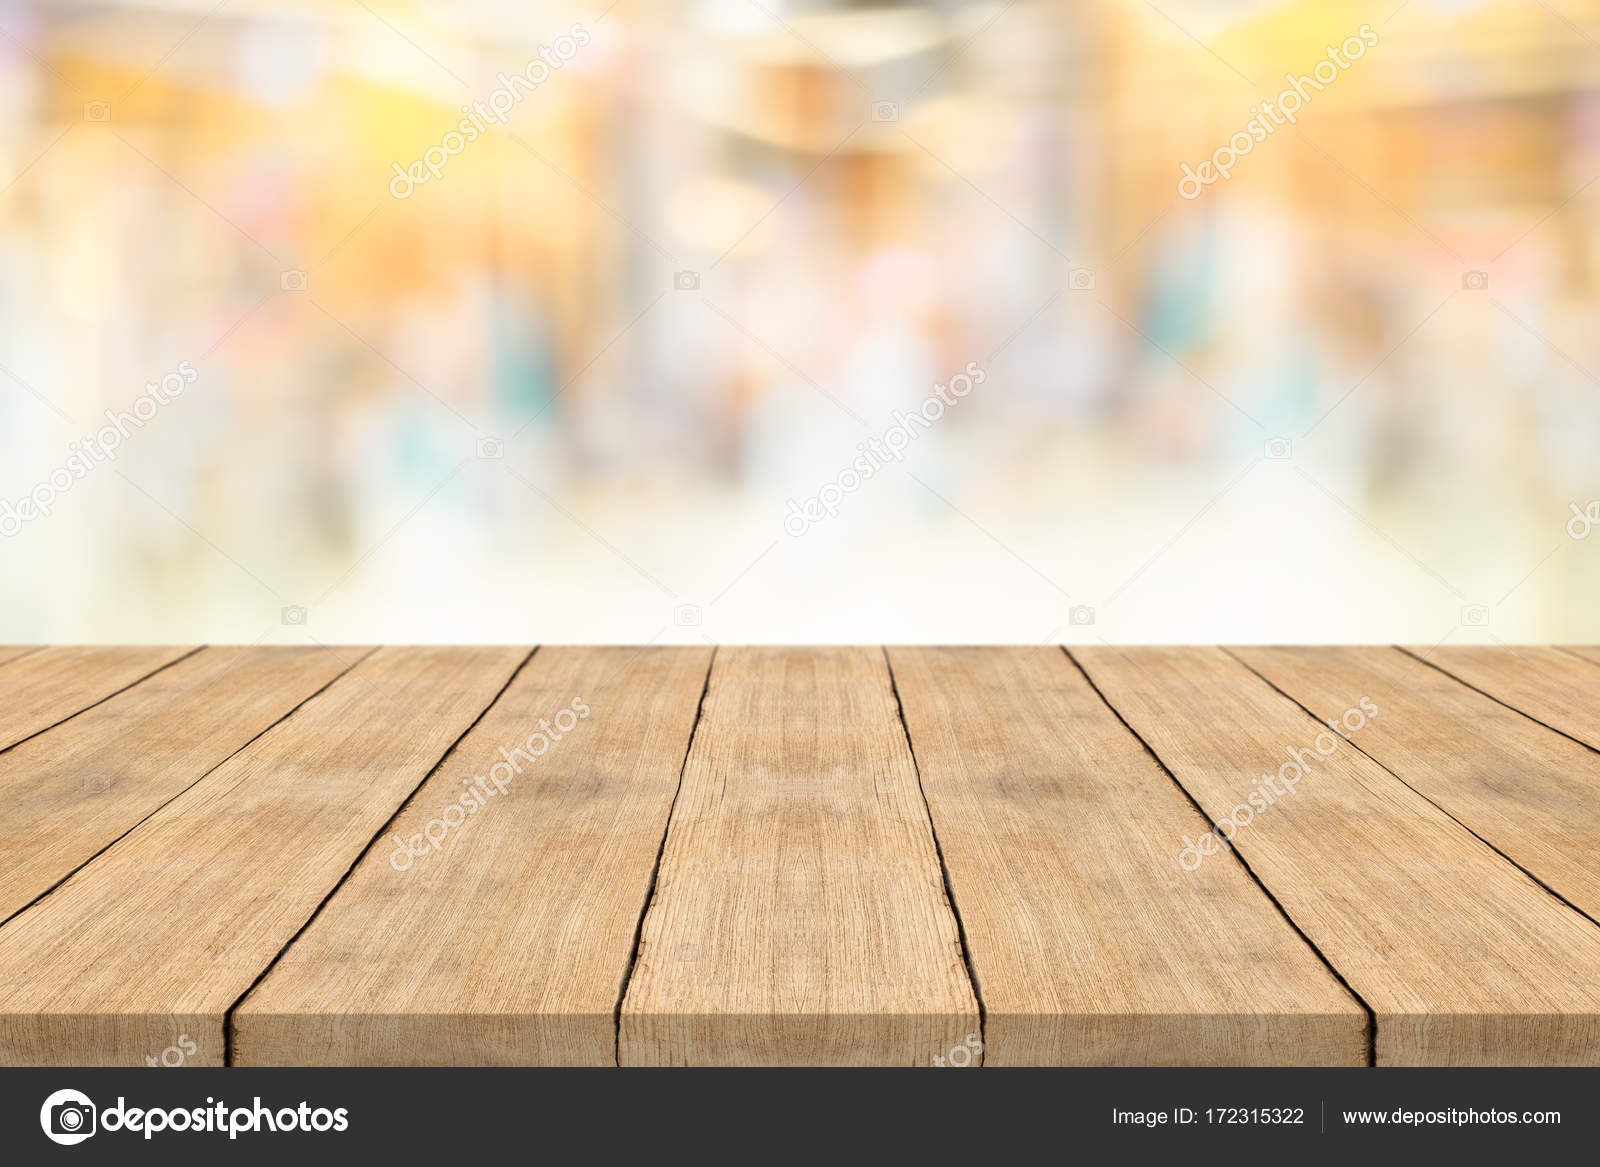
{"x": 117, "y": 991}
{"x": 519, "y": 980}
{"x": 121, "y": 834}
{"x": 800, "y": 915}
{"x": 73, "y": 695}
{"x": 944, "y": 868}
{"x": 1444, "y": 810}
{"x": 228, "y": 1036}
{"x": 1517, "y": 987}
{"x": 1372, "y": 1017}
{"x": 1505, "y": 698}
{"x": 655, "y": 870}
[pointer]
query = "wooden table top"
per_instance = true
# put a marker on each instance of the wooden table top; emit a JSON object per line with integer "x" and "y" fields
{"x": 841, "y": 856}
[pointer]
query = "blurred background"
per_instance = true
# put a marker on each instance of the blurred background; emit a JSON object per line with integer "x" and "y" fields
{"x": 575, "y": 383}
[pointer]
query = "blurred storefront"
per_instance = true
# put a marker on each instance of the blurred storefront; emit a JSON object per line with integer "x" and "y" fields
{"x": 564, "y": 387}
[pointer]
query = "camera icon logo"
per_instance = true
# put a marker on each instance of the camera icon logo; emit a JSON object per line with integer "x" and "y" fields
{"x": 1081, "y": 279}
{"x": 686, "y": 615}
{"x": 67, "y": 1117}
{"x": 1080, "y": 615}
{"x": 293, "y": 281}
{"x": 1475, "y": 281}
{"x": 97, "y": 111}
{"x": 296, "y": 616}
{"x": 686, "y": 281}
{"x": 1475, "y": 616}
{"x": 885, "y": 111}
{"x": 490, "y": 449}
{"x": 1278, "y": 449}
{"x": 96, "y": 783}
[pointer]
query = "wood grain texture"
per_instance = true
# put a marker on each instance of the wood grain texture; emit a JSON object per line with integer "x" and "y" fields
{"x": 1530, "y": 793}
{"x": 53, "y": 684}
{"x": 1463, "y": 959}
{"x": 11, "y": 652}
{"x": 798, "y": 911}
{"x": 163, "y": 934}
{"x": 509, "y": 943}
{"x": 1089, "y": 943}
{"x": 70, "y": 791}
{"x": 1585, "y": 652}
{"x": 1550, "y": 685}
{"x": 799, "y": 915}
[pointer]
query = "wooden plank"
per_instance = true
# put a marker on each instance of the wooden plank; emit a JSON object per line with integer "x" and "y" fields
{"x": 164, "y": 932}
{"x": 557, "y": 869}
{"x": 1548, "y": 684}
{"x": 1587, "y": 652}
{"x": 51, "y": 685}
{"x": 1093, "y": 946}
{"x": 71, "y": 790}
{"x": 1530, "y": 793}
{"x": 1463, "y": 959}
{"x": 799, "y": 915}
